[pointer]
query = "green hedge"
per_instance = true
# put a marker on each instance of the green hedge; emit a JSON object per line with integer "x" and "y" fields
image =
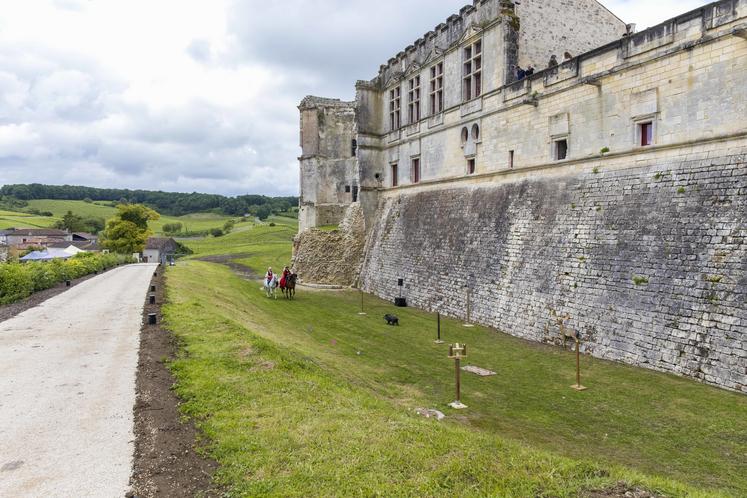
{"x": 20, "y": 280}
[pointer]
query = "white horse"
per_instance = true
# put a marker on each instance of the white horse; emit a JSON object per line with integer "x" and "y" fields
{"x": 271, "y": 286}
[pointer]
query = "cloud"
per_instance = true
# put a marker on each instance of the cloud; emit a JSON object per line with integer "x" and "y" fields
{"x": 186, "y": 95}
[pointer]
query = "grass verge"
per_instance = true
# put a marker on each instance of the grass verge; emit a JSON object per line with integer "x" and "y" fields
{"x": 308, "y": 398}
{"x": 283, "y": 424}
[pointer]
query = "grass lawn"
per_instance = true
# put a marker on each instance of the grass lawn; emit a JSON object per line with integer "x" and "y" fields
{"x": 193, "y": 222}
{"x": 307, "y": 398}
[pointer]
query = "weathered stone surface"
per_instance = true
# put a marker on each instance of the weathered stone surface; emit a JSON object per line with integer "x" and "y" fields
{"x": 649, "y": 273}
{"x": 331, "y": 257}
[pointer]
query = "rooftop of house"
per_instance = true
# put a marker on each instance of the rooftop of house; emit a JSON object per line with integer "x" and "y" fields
{"x": 85, "y": 235}
{"x": 86, "y": 245}
{"x": 38, "y": 232}
{"x": 160, "y": 243}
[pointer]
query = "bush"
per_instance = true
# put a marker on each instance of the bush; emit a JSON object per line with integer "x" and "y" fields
{"x": 15, "y": 282}
{"x": 20, "y": 280}
{"x": 216, "y": 232}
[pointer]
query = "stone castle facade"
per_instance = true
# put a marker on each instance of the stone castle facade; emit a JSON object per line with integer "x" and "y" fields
{"x": 609, "y": 189}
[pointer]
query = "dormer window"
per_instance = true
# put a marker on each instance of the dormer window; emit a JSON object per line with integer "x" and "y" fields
{"x": 413, "y": 100}
{"x": 395, "y": 95}
{"x": 437, "y": 88}
{"x": 472, "y": 71}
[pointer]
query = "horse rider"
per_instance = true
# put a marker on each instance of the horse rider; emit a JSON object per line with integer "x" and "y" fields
{"x": 284, "y": 277}
{"x": 269, "y": 276}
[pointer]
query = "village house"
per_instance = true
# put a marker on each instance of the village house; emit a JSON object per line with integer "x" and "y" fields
{"x": 159, "y": 250}
{"x": 23, "y": 238}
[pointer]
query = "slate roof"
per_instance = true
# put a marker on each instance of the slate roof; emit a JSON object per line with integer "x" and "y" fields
{"x": 85, "y": 236}
{"x": 86, "y": 245}
{"x": 39, "y": 232}
{"x": 162, "y": 244}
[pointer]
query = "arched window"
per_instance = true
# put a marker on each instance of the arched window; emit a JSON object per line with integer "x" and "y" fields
{"x": 465, "y": 135}
{"x": 475, "y": 132}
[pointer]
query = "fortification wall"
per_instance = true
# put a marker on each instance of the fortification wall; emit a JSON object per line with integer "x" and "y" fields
{"x": 645, "y": 253}
{"x": 331, "y": 257}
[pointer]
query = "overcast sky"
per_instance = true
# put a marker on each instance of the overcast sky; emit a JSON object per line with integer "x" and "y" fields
{"x": 187, "y": 95}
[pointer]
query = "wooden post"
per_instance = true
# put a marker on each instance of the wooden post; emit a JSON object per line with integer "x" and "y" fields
{"x": 577, "y": 386}
{"x": 457, "y": 363}
{"x": 438, "y": 328}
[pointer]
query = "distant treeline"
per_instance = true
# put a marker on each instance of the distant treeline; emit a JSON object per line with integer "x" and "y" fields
{"x": 170, "y": 203}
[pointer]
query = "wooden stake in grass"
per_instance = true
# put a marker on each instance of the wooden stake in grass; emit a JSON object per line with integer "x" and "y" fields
{"x": 438, "y": 328}
{"x": 457, "y": 352}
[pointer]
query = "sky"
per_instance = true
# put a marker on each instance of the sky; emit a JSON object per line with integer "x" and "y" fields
{"x": 194, "y": 95}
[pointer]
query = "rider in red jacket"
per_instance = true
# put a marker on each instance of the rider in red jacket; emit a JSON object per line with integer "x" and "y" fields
{"x": 286, "y": 274}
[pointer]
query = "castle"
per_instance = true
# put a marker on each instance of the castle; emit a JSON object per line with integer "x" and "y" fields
{"x": 606, "y": 189}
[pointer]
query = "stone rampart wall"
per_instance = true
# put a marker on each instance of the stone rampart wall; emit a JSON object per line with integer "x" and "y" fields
{"x": 331, "y": 257}
{"x": 645, "y": 255}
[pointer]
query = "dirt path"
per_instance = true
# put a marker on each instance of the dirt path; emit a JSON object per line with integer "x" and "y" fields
{"x": 67, "y": 388}
{"x": 166, "y": 461}
{"x": 228, "y": 260}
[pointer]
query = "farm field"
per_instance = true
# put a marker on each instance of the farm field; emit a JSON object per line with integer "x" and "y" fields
{"x": 12, "y": 219}
{"x": 192, "y": 222}
{"x": 309, "y": 398}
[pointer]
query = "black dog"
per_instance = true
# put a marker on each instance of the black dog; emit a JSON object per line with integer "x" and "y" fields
{"x": 391, "y": 320}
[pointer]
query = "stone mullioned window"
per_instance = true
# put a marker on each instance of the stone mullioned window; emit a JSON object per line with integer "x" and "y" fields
{"x": 472, "y": 71}
{"x": 395, "y": 117}
{"x": 413, "y": 100}
{"x": 437, "y": 88}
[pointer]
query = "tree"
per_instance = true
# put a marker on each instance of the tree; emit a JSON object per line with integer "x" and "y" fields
{"x": 137, "y": 214}
{"x": 264, "y": 212}
{"x": 75, "y": 223}
{"x": 128, "y": 231}
{"x": 172, "y": 227}
{"x": 228, "y": 226}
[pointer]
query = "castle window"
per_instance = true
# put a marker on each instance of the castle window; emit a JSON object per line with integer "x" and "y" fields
{"x": 353, "y": 147}
{"x": 347, "y": 189}
{"x": 413, "y": 99}
{"x": 646, "y": 133}
{"x": 355, "y": 193}
{"x": 394, "y": 108}
{"x": 437, "y": 88}
{"x": 510, "y": 159}
{"x": 415, "y": 170}
{"x": 471, "y": 166}
{"x": 475, "y": 132}
{"x": 395, "y": 175}
{"x": 472, "y": 71}
{"x": 465, "y": 136}
{"x": 560, "y": 149}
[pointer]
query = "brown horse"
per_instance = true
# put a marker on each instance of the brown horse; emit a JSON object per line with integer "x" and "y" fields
{"x": 289, "y": 286}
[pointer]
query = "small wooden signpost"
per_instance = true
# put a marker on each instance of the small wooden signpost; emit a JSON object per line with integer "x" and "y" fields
{"x": 457, "y": 352}
{"x": 577, "y": 386}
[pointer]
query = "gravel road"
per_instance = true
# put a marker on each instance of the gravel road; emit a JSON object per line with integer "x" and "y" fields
{"x": 67, "y": 389}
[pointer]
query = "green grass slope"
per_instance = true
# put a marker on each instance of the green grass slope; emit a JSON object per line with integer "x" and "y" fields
{"x": 307, "y": 398}
{"x": 192, "y": 222}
